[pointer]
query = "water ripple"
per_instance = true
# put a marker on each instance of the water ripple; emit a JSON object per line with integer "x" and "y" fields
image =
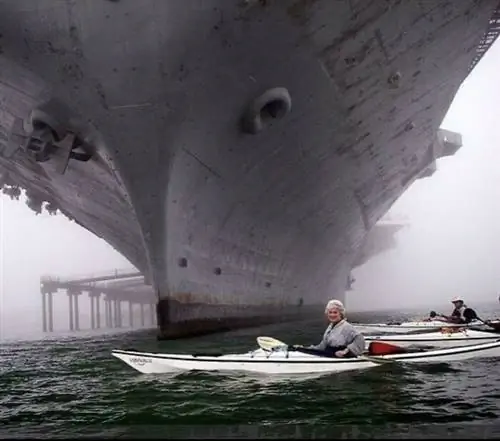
{"x": 62, "y": 387}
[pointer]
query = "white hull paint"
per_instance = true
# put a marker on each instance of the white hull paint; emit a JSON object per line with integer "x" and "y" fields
{"x": 437, "y": 339}
{"x": 404, "y": 327}
{"x": 282, "y": 362}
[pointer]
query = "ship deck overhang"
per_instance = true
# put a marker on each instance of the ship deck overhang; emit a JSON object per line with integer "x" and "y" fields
{"x": 238, "y": 154}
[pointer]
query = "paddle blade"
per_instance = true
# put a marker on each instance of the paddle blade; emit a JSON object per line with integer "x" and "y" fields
{"x": 269, "y": 343}
{"x": 383, "y": 348}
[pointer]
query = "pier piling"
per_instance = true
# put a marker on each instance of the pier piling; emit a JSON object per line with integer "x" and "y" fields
{"x": 113, "y": 294}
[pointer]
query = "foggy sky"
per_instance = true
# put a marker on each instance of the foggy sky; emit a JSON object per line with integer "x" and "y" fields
{"x": 451, "y": 247}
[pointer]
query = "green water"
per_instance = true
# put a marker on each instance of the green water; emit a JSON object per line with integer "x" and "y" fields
{"x": 73, "y": 387}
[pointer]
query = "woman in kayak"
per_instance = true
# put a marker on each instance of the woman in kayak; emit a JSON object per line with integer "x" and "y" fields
{"x": 340, "y": 339}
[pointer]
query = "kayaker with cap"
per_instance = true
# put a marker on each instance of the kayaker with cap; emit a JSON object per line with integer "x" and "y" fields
{"x": 461, "y": 312}
{"x": 340, "y": 339}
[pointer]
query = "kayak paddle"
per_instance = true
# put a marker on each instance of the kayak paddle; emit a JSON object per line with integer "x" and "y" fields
{"x": 494, "y": 326}
{"x": 273, "y": 344}
{"x": 270, "y": 343}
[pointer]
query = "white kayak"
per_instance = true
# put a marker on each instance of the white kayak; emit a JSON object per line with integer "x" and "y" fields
{"x": 438, "y": 339}
{"x": 405, "y": 327}
{"x": 293, "y": 362}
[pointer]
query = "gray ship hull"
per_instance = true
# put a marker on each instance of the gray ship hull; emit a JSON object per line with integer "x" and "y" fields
{"x": 237, "y": 153}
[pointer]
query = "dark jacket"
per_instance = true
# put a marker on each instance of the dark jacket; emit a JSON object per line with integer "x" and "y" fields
{"x": 463, "y": 315}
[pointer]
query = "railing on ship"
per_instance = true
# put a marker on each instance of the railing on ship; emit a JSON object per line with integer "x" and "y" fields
{"x": 489, "y": 37}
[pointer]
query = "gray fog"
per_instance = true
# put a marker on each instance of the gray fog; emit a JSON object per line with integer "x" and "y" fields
{"x": 451, "y": 247}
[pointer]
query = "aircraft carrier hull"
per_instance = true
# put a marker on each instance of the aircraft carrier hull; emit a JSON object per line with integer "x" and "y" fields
{"x": 237, "y": 153}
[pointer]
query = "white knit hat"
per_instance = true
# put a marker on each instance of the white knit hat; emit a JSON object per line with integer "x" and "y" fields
{"x": 337, "y": 304}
